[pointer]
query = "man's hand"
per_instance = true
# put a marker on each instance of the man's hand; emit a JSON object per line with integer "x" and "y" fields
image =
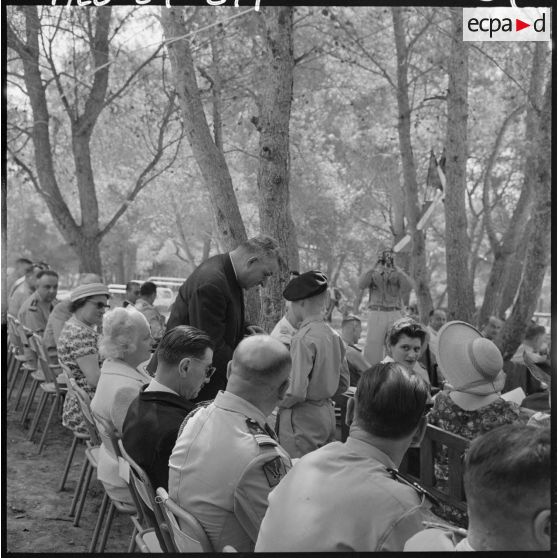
{"x": 255, "y": 330}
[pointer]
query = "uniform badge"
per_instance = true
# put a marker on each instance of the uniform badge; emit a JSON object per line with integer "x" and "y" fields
{"x": 274, "y": 471}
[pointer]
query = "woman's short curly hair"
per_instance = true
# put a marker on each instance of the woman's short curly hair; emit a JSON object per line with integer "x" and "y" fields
{"x": 120, "y": 328}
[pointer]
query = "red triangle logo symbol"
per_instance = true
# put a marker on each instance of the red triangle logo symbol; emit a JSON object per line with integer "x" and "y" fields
{"x": 519, "y": 25}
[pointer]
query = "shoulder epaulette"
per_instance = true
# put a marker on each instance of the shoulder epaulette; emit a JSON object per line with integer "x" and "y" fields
{"x": 261, "y": 436}
{"x": 404, "y": 479}
{"x": 198, "y": 407}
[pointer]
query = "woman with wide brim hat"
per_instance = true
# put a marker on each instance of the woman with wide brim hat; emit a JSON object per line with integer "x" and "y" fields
{"x": 471, "y": 402}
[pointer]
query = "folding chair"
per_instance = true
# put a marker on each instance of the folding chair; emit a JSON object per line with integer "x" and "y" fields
{"x": 37, "y": 377}
{"x": 188, "y": 535}
{"x": 29, "y": 362}
{"x": 153, "y": 515}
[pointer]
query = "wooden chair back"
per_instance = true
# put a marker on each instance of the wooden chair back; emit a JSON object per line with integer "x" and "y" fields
{"x": 50, "y": 370}
{"x": 140, "y": 482}
{"x": 430, "y": 447}
{"x": 85, "y": 407}
{"x": 187, "y": 533}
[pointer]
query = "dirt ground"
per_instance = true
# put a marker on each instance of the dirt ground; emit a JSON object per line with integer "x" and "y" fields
{"x": 36, "y": 514}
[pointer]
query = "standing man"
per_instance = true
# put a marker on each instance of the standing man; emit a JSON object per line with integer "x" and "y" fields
{"x": 22, "y": 265}
{"x": 212, "y": 300}
{"x": 386, "y": 284}
{"x": 144, "y": 303}
{"x": 35, "y": 310}
{"x": 493, "y": 329}
{"x": 24, "y": 290}
{"x": 132, "y": 293}
{"x": 227, "y": 459}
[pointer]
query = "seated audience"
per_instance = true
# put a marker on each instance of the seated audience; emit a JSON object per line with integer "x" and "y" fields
{"x": 286, "y": 327}
{"x": 61, "y": 313}
{"x": 144, "y": 303}
{"x": 125, "y": 343}
{"x": 351, "y": 328}
{"x": 405, "y": 341}
{"x": 346, "y": 497}
{"x": 471, "y": 404}
{"x": 532, "y": 344}
{"x": 493, "y": 329}
{"x": 132, "y": 293}
{"x": 227, "y": 458}
{"x": 508, "y": 484}
{"x": 306, "y": 418}
{"x": 36, "y": 308}
{"x": 17, "y": 277}
{"x": 151, "y": 425}
{"x": 78, "y": 350}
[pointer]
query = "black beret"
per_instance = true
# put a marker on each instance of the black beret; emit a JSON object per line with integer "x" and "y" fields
{"x": 305, "y": 285}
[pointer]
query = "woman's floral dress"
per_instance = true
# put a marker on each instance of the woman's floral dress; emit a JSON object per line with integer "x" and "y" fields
{"x": 76, "y": 340}
{"x": 451, "y": 417}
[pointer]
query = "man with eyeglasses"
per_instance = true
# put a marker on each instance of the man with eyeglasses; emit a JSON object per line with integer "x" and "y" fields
{"x": 151, "y": 425}
{"x": 227, "y": 458}
{"x": 507, "y": 482}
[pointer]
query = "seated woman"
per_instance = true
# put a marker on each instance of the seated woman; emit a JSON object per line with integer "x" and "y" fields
{"x": 125, "y": 343}
{"x": 77, "y": 347}
{"x": 406, "y": 339}
{"x": 470, "y": 403}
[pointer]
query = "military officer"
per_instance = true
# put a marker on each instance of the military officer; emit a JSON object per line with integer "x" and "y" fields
{"x": 35, "y": 310}
{"x": 349, "y": 496}
{"x": 227, "y": 458}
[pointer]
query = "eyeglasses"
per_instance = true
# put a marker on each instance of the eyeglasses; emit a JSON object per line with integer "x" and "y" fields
{"x": 209, "y": 371}
{"x": 100, "y": 305}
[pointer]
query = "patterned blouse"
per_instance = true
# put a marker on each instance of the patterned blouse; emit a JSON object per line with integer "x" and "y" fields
{"x": 76, "y": 340}
{"x": 451, "y": 417}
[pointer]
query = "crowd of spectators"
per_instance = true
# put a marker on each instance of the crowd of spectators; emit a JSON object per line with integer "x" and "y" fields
{"x": 239, "y": 426}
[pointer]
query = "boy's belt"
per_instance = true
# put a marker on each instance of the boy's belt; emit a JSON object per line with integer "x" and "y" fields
{"x": 381, "y": 308}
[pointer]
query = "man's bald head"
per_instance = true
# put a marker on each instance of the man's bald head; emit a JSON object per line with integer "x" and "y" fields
{"x": 261, "y": 359}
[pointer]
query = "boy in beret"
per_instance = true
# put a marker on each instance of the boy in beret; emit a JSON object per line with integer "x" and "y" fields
{"x": 319, "y": 369}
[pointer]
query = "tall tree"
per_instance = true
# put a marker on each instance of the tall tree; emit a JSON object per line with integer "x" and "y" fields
{"x": 83, "y": 101}
{"x": 273, "y": 171}
{"x": 538, "y": 252}
{"x": 461, "y": 301}
{"x": 412, "y": 207}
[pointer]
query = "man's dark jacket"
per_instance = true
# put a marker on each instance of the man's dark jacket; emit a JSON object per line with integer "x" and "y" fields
{"x": 150, "y": 430}
{"x": 212, "y": 300}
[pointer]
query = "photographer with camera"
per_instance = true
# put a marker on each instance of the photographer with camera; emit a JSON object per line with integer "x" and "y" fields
{"x": 386, "y": 284}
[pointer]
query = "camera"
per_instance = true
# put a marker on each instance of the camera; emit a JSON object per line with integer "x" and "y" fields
{"x": 386, "y": 258}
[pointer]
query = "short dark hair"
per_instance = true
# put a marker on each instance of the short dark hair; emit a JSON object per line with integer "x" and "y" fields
{"x": 390, "y": 400}
{"x": 534, "y": 330}
{"x": 413, "y": 330}
{"x": 507, "y": 468}
{"x": 148, "y": 288}
{"x": 182, "y": 341}
{"x": 48, "y": 272}
{"x": 131, "y": 284}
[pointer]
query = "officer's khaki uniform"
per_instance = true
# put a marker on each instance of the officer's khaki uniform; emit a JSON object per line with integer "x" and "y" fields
{"x": 448, "y": 539}
{"x": 222, "y": 468}
{"x": 18, "y": 297}
{"x": 319, "y": 371}
{"x": 34, "y": 312}
{"x": 341, "y": 498}
{"x": 283, "y": 331}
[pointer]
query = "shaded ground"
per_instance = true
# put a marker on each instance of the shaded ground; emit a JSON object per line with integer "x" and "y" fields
{"x": 36, "y": 514}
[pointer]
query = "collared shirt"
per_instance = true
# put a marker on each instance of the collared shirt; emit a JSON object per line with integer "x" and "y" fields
{"x": 341, "y": 498}
{"x": 417, "y": 369}
{"x": 17, "y": 298}
{"x": 34, "y": 312}
{"x": 283, "y": 331}
{"x": 448, "y": 539}
{"x": 222, "y": 468}
{"x": 319, "y": 367}
{"x": 357, "y": 363}
{"x": 57, "y": 318}
{"x": 154, "y": 385}
{"x": 15, "y": 285}
{"x": 386, "y": 287}
{"x": 154, "y": 317}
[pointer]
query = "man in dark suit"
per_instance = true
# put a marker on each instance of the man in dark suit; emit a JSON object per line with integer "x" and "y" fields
{"x": 212, "y": 300}
{"x": 153, "y": 419}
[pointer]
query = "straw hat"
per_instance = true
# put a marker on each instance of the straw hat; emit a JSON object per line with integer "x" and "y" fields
{"x": 91, "y": 289}
{"x": 468, "y": 361}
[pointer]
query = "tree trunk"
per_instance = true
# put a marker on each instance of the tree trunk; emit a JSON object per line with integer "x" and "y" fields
{"x": 507, "y": 247}
{"x": 461, "y": 301}
{"x": 418, "y": 269}
{"x": 209, "y": 158}
{"x": 273, "y": 170}
{"x": 538, "y": 252}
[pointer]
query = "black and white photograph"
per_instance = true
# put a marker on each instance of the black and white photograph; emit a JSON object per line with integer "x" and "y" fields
{"x": 278, "y": 278}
